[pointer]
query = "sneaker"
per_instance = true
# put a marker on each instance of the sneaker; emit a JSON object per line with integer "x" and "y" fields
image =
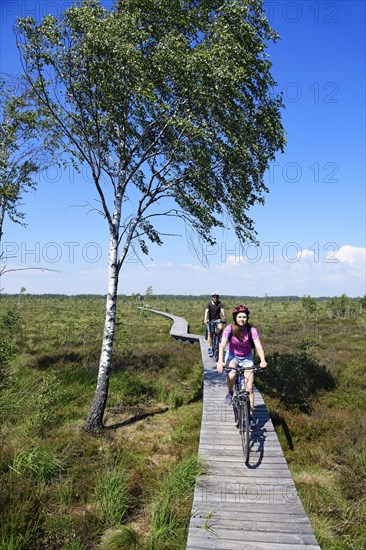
{"x": 210, "y": 352}
{"x": 229, "y": 398}
{"x": 253, "y": 425}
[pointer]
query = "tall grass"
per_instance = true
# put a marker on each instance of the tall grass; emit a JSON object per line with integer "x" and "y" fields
{"x": 38, "y": 464}
{"x": 111, "y": 495}
{"x": 124, "y": 537}
{"x": 168, "y": 527}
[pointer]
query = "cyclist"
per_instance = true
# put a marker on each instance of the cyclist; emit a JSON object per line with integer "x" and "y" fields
{"x": 214, "y": 311}
{"x": 236, "y": 336}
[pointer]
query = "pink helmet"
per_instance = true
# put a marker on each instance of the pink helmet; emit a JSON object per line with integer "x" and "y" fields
{"x": 240, "y": 309}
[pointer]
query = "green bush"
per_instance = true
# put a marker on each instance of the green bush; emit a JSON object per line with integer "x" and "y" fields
{"x": 294, "y": 379}
{"x": 9, "y": 328}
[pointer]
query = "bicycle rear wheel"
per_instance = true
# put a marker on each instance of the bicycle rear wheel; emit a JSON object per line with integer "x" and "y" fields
{"x": 244, "y": 429}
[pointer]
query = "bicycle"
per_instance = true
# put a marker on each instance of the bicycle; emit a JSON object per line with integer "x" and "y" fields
{"x": 241, "y": 406}
{"x": 216, "y": 327}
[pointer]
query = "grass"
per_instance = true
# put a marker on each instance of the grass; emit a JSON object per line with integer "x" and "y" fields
{"x": 111, "y": 495}
{"x": 131, "y": 486}
{"x": 168, "y": 532}
{"x": 124, "y": 537}
{"x": 38, "y": 464}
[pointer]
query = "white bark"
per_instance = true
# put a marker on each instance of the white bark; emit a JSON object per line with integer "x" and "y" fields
{"x": 95, "y": 417}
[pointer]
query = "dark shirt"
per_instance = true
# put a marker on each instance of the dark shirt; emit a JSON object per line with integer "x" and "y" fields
{"x": 214, "y": 310}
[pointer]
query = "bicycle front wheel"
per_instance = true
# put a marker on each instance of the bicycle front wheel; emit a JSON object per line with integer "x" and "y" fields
{"x": 244, "y": 429}
{"x": 215, "y": 346}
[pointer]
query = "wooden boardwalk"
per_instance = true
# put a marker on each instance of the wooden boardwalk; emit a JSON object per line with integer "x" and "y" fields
{"x": 237, "y": 507}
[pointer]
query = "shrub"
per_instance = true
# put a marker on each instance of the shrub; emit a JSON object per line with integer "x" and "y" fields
{"x": 294, "y": 379}
{"x": 9, "y": 328}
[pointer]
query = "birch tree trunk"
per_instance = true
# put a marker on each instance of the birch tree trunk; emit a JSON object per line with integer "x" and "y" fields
{"x": 2, "y": 212}
{"x": 94, "y": 420}
{"x": 96, "y": 413}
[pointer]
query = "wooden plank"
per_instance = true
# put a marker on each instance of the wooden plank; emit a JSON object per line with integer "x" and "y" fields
{"x": 286, "y": 533}
{"x": 245, "y": 508}
{"x": 238, "y": 506}
{"x": 236, "y": 535}
{"x": 220, "y": 544}
{"x": 264, "y": 519}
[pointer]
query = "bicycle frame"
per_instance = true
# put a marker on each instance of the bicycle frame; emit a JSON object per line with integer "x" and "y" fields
{"x": 216, "y": 332}
{"x": 241, "y": 407}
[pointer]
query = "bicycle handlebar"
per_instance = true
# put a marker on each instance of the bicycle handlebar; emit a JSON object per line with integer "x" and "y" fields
{"x": 241, "y": 369}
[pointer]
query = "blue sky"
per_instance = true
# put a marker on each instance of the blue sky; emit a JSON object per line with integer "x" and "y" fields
{"x": 312, "y": 227}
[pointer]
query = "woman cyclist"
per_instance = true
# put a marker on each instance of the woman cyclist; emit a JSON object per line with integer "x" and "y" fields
{"x": 238, "y": 339}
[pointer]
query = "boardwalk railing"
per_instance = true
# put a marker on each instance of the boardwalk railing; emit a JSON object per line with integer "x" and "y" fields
{"x": 237, "y": 507}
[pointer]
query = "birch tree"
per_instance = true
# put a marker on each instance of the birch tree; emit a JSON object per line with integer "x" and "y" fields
{"x": 171, "y": 106}
{"x": 20, "y": 155}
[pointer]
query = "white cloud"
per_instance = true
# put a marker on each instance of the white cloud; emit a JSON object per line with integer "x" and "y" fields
{"x": 290, "y": 272}
{"x": 197, "y": 268}
{"x": 352, "y": 255}
{"x": 306, "y": 253}
{"x": 154, "y": 265}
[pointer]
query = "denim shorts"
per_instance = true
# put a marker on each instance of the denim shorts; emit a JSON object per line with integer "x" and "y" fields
{"x": 212, "y": 325}
{"x": 246, "y": 361}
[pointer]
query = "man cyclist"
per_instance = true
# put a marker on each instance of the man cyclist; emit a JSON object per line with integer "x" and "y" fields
{"x": 214, "y": 312}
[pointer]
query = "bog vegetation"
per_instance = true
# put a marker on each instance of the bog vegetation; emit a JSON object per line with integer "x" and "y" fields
{"x": 131, "y": 485}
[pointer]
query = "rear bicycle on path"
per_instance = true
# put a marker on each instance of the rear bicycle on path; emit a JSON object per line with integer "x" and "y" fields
{"x": 216, "y": 328}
